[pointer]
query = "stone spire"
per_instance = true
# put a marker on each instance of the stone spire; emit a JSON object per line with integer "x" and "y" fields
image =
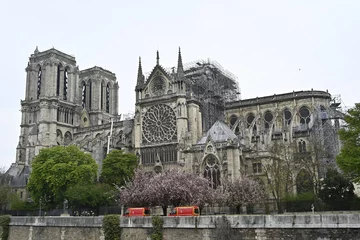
{"x": 36, "y": 50}
{"x": 157, "y": 58}
{"x": 180, "y": 68}
{"x": 140, "y": 76}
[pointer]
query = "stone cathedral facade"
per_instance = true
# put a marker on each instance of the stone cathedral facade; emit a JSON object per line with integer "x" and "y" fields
{"x": 189, "y": 117}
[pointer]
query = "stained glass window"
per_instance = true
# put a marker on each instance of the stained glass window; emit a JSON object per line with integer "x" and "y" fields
{"x": 159, "y": 124}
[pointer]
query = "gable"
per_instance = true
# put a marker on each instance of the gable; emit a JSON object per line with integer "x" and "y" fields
{"x": 159, "y": 83}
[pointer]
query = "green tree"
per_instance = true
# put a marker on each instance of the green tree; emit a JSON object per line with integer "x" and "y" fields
{"x": 118, "y": 167}
{"x": 349, "y": 157}
{"x": 56, "y": 169}
{"x": 337, "y": 191}
{"x": 92, "y": 195}
{"x": 6, "y": 194}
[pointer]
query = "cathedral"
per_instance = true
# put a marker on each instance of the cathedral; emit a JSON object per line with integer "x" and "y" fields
{"x": 190, "y": 117}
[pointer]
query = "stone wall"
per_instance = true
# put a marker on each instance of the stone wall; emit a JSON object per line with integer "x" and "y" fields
{"x": 54, "y": 228}
{"x": 299, "y": 226}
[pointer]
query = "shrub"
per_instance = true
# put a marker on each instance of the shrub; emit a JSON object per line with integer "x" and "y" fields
{"x": 4, "y": 227}
{"x": 157, "y": 223}
{"x": 111, "y": 227}
{"x": 302, "y": 202}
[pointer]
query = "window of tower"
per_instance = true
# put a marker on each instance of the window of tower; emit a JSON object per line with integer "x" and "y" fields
{"x": 58, "y": 115}
{"x": 102, "y": 96}
{"x": 39, "y": 83}
{"x": 66, "y": 80}
{"x": 108, "y": 98}
{"x": 58, "y": 81}
{"x": 83, "y": 94}
{"x": 90, "y": 93}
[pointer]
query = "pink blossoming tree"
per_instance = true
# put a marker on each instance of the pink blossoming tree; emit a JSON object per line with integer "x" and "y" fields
{"x": 244, "y": 191}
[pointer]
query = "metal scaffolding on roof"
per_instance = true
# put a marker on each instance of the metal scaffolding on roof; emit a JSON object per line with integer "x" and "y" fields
{"x": 209, "y": 75}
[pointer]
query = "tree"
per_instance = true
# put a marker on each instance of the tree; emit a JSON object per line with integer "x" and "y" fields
{"x": 56, "y": 169}
{"x": 337, "y": 191}
{"x": 349, "y": 158}
{"x": 201, "y": 191}
{"x": 118, "y": 167}
{"x": 133, "y": 193}
{"x": 5, "y": 190}
{"x": 175, "y": 188}
{"x": 244, "y": 191}
{"x": 92, "y": 195}
{"x": 278, "y": 169}
{"x": 169, "y": 188}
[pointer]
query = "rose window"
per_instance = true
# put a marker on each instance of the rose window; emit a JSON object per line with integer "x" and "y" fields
{"x": 159, "y": 124}
{"x": 158, "y": 86}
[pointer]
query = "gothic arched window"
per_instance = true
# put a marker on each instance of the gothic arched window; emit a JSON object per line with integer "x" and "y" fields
{"x": 58, "y": 81}
{"x": 58, "y": 115}
{"x": 212, "y": 171}
{"x": 90, "y": 93}
{"x": 59, "y": 137}
{"x": 287, "y": 117}
{"x": 66, "y": 79}
{"x": 304, "y": 113}
{"x": 108, "y": 98}
{"x": 39, "y": 83}
{"x": 268, "y": 118}
{"x": 83, "y": 94}
{"x": 233, "y": 122}
{"x": 67, "y": 138}
{"x": 249, "y": 120}
{"x": 102, "y": 96}
{"x": 302, "y": 146}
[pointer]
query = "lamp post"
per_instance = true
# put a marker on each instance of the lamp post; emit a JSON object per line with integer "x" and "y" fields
{"x": 121, "y": 204}
{"x": 40, "y": 202}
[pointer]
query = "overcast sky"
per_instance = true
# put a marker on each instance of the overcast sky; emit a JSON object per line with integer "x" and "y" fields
{"x": 271, "y": 46}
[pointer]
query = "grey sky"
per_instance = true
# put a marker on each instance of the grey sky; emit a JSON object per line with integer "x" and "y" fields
{"x": 264, "y": 43}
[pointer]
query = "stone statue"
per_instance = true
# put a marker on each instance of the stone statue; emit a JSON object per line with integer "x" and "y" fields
{"x": 65, "y": 204}
{"x": 312, "y": 208}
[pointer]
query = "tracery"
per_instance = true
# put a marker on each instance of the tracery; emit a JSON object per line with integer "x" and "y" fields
{"x": 159, "y": 124}
{"x": 212, "y": 171}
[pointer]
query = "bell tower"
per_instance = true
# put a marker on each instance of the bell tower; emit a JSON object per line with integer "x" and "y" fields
{"x": 98, "y": 91}
{"x": 49, "y": 108}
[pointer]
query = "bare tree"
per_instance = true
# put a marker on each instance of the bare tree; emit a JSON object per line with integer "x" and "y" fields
{"x": 278, "y": 169}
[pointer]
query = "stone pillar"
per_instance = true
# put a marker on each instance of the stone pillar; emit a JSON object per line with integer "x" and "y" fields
{"x": 199, "y": 122}
{"x": 193, "y": 122}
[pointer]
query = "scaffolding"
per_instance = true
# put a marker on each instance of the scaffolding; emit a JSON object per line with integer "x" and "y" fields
{"x": 209, "y": 75}
{"x": 211, "y": 84}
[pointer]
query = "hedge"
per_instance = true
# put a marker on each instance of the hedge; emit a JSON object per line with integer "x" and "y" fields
{"x": 111, "y": 227}
{"x": 4, "y": 227}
